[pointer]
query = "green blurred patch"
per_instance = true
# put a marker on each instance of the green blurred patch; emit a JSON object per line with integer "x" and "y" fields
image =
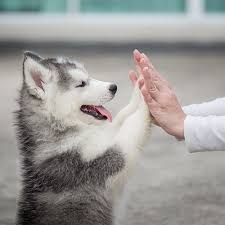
{"x": 33, "y": 5}
{"x": 215, "y": 6}
{"x": 153, "y": 6}
{"x": 109, "y": 6}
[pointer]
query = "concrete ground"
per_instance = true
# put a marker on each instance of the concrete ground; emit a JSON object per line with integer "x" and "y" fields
{"x": 170, "y": 186}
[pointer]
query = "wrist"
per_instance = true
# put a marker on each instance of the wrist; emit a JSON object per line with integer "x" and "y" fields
{"x": 179, "y": 129}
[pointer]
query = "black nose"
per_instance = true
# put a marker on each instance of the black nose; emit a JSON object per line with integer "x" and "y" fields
{"x": 113, "y": 88}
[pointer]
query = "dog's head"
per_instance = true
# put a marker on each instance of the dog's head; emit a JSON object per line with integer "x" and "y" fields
{"x": 64, "y": 90}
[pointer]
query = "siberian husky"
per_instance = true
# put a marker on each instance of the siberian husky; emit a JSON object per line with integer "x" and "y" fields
{"x": 75, "y": 158}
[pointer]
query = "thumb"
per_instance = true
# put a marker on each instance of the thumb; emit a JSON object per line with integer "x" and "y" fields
{"x": 133, "y": 77}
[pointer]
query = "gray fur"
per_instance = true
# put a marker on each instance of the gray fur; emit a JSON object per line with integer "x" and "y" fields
{"x": 61, "y": 68}
{"x": 62, "y": 189}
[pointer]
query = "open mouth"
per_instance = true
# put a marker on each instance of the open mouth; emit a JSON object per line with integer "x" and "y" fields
{"x": 98, "y": 112}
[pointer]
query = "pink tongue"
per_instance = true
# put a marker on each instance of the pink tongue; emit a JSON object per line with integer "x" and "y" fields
{"x": 104, "y": 112}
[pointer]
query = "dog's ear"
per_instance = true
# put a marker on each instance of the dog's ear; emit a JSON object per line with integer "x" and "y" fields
{"x": 36, "y": 76}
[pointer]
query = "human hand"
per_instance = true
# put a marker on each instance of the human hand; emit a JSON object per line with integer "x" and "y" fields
{"x": 159, "y": 96}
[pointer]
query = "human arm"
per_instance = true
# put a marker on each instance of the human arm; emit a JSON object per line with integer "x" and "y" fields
{"x": 204, "y": 133}
{"x": 215, "y": 107}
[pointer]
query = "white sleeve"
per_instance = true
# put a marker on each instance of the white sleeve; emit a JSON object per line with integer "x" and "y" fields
{"x": 215, "y": 107}
{"x": 205, "y": 133}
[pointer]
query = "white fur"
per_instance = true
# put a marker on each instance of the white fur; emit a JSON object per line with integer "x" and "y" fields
{"x": 79, "y": 74}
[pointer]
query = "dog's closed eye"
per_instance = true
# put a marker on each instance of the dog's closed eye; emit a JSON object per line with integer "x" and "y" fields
{"x": 82, "y": 84}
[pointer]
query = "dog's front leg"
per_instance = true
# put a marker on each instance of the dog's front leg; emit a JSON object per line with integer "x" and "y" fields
{"x": 129, "y": 139}
{"x": 129, "y": 109}
{"x": 133, "y": 132}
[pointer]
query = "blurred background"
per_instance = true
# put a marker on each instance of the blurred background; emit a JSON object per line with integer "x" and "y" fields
{"x": 186, "y": 41}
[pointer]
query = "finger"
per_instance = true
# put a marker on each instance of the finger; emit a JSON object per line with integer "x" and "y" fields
{"x": 137, "y": 58}
{"x": 158, "y": 78}
{"x": 144, "y": 56}
{"x": 138, "y": 69}
{"x": 155, "y": 73}
{"x": 143, "y": 63}
{"x": 152, "y": 104}
{"x": 150, "y": 86}
{"x": 137, "y": 55}
{"x": 150, "y": 65}
{"x": 141, "y": 83}
{"x": 146, "y": 72}
{"x": 133, "y": 77}
{"x": 159, "y": 84}
{"x": 146, "y": 95}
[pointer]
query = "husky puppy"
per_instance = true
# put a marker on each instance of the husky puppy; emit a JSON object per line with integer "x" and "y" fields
{"x": 75, "y": 159}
